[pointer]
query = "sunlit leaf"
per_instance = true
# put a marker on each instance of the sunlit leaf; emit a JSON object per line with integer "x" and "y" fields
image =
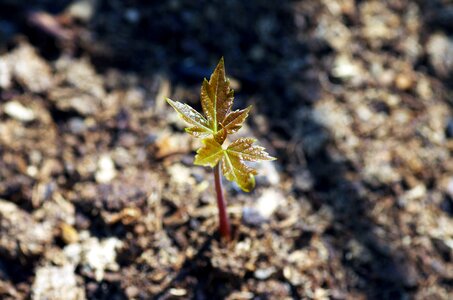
{"x": 200, "y": 126}
{"x": 234, "y": 120}
{"x": 217, "y": 96}
{"x": 215, "y": 126}
{"x": 209, "y": 154}
{"x": 233, "y": 166}
{"x": 199, "y": 132}
{"x": 208, "y": 105}
{"x": 220, "y": 136}
{"x": 243, "y": 148}
{"x": 235, "y": 170}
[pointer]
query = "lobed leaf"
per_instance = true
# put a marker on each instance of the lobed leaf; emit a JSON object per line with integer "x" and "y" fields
{"x": 209, "y": 154}
{"x": 220, "y": 136}
{"x": 233, "y": 166}
{"x": 243, "y": 148}
{"x": 235, "y": 170}
{"x": 200, "y": 126}
{"x": 234, "y": 120}
{"x": 208, "y": 105}
{"x": 219, "y": 121}
{"x": 216, "y": 96}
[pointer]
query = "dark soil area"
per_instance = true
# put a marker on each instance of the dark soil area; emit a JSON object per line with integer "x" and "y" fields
{"x": 99, "y": 197}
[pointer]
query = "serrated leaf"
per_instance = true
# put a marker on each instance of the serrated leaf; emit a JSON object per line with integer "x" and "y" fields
{"x": 244, "y": 149}
{"x": 199, "y": 132}
{"x": 220, "y": 136}
{"x": 200, "y": 126}
{"x": 217, "y": 96}
{"x": 219, "y": 121}
{"x": 234, "y": 120}
{"x": 207, "y": 104}
{"x": 235, "y": 170}
{"x": 209, "y": 154}
{"x": 233, "y": 166}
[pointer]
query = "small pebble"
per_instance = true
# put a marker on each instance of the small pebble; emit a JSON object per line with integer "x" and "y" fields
{"x": 345, "y": 68}
{"x": 264, "y": 208}
{"x": 403, "y": 82}
{"x": 82, "y": 10}
{"x": 132, "y": 291}
{"x": 269, "y": 201}
{"x": 440, "y": 52}
{"x": 68, "y": 233}
{"x": 178, "y": 292}
{"x": 56, "y": 283}
{"x": 264, "y": 273}
{"x": 251, "y": 216}
{"x": 19, "y": 112}
{"x": 106, "y": 169}
{"x": 5, "y": 74}
{"x": 268, "y": 174}
{"x": 77, "y": 125}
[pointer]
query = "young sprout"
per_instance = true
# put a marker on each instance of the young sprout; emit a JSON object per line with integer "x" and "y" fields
{"x": 218, "y": 122}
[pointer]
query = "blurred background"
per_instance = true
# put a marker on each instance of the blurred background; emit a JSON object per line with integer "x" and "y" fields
{"x": 98, "y": 195}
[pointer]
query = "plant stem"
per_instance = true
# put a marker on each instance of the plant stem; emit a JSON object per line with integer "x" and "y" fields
{"x": 224, "y": 223}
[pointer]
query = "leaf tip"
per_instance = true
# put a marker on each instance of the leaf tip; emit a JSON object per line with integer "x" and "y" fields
{"x": 221, "y": 64}
{"x": 249, "y": 185}
{"x": 172, "y": 103}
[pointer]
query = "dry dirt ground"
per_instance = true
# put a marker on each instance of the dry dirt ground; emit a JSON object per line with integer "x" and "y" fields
{"x": 98, "y": 195}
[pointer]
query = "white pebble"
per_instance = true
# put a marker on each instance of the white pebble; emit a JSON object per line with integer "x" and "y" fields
{"x": 106, "y": 169}
{"x": 19, "y": 112}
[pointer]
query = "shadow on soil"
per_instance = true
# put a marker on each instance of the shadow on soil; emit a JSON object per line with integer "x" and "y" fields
{"x": 262, "y": 50}
{"x": 278, "y": 69}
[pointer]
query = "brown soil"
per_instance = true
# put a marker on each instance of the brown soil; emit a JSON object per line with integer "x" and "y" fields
{"x": 98, "y": 195}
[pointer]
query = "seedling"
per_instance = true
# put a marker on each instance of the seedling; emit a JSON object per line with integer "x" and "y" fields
{"x": 218, "y": 122}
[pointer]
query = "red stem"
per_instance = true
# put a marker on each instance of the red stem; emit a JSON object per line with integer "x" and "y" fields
{"x": 224, "y": 223}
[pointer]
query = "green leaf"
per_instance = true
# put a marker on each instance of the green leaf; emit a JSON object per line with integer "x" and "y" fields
{"x": 244, "y": 149}
{"x": 220, "y": 136}
{"x": 200, "y": 126}
{"x": 235, "y": 170}
{"x": 219, "y": 121}
{"x": 233, "y": 166}
{"x": 216, "y": 97}
{"x": 234, "y": 120}
{"x": 209, "y": 154}
{"x": 232, "y": 159}
{"x": 207, "y": 104}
